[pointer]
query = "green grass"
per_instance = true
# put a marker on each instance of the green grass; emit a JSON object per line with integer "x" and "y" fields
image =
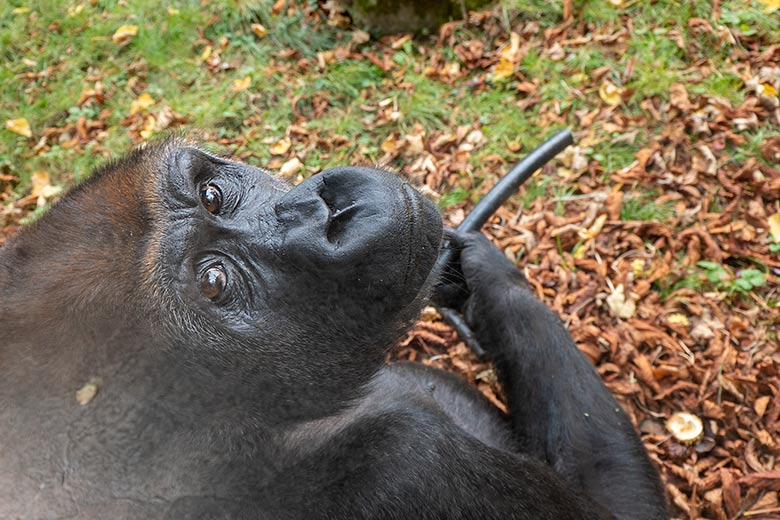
{"x": 645, "y": 208}
{"x": 614, "y": 154}
{"x": 453, "y": 197}
{"x": 535, "y": 188}
{"x": 71, "y": 50}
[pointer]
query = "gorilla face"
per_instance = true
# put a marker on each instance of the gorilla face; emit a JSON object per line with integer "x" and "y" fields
{"x": 262, "y": 275}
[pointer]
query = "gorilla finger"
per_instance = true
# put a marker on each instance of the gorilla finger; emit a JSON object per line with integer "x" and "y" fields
{"x": 483, "y": 262}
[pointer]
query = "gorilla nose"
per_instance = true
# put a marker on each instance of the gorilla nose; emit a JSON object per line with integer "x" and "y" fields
{"x": 352, "y": 215}
{"x": 336, "y": 214}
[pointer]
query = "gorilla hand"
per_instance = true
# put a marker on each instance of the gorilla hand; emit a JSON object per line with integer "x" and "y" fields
{"x": 483, "y": 266}
{"x": 476, "y": 267}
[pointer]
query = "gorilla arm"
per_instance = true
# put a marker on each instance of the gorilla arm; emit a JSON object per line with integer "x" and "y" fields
{"x": 559, "y": 407}
{"x": 403, "y": 456}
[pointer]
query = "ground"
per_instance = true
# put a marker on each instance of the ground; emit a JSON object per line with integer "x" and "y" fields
{"x": 656, "y": 238}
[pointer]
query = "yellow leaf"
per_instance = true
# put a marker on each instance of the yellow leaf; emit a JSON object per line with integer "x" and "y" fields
{"x": 241, "y": 84}
{"x": 595, "y": 228}
{"x": 512, "y": 51}
{"x": 610, "y": 94}
{"x": 767, "y": 89}
{"x": 140, "y": 103}
{"x": 173, "y": 11}
{"x": 389, "y": 144}
{"x": 678, "y": 319}
{"x": 205, "y": 54}
{"x": 149, "y": 127}
{"x": 281, "y": 146}
{"x": 770, "y": 5}
{"x": 19, "y": 126}
{"x": 21, "y": 10}
{"x": 639, "y": 268}
{"x": 124, "y": 34}
{"x": 504, "y": 69}
{"x": 258, "y": 30}
{"x": 40, "y": 181}
{"x": 774, "y": 227}
{"x": 400, "y": 42}
{"x": 290, "y": 167}
{"x": 509, "y": 56}
{"x": 42, "y": 188}
{"x": 74, "y": 10}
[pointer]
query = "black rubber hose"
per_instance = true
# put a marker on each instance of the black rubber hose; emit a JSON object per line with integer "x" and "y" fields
{"x": 509, "y": 183}
{"x": 495, "y": 198}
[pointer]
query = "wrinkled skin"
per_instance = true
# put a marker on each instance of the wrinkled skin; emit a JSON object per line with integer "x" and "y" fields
{"x": 237, "y": 337}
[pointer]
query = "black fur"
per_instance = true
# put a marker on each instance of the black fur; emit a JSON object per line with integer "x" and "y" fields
{"x": 272, "y": 400}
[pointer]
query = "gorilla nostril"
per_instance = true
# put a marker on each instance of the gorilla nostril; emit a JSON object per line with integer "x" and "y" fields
{"x": 339, "y": 218}
{"x": 344, "y": 212}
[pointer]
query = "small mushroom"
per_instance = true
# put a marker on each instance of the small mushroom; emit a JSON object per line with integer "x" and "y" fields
{"x": 685, "y": 427}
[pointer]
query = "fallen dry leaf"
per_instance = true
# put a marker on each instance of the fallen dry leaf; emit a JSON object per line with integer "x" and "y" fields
{"x": 359, "y": 36}
{"x": 678, "y": 97}
{"x": 770, "y": 5}
{"x": 140, "y": 103}
{"x": 73, "y": 10}
{"x": 42, "y": 188}
{"x": 149, "y": 127}
{"x": 241, "y": 84}
{"x": 610, "y": 94}
{"x": 19, "y": 126}
{"x": 281, "y": 146}
{"x": 509, "y": 57}
{"x": 767, "y": 89}
{"x": 678, "y": 319}
{"x": 205, "y": 54}
{"x": 400, "y": 42}
{"x": 620, "y": 305}
{"x": 258, "y": 30}
{"x": 389, "y": 144}
{"x": 124, "y": 34}
{"x": 774, "y": 227}
{"x": 594, "y": 230}
{"x": 290, "y": 167}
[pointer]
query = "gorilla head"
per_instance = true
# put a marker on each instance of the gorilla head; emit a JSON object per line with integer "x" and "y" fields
{"x": 263, "y": 276}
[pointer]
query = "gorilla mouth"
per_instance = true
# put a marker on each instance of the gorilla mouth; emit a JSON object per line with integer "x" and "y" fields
{"x": 423, "y": 239}
{"x": 411, "y": 212}
{"x": 352, "y": 219}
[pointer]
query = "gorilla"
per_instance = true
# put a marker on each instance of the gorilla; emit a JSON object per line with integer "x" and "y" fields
{"x": 184, "y": 336}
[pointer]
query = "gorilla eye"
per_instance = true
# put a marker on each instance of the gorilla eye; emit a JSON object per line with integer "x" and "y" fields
{"x": 211, "y": 198}
{"x": 213, "y": 281}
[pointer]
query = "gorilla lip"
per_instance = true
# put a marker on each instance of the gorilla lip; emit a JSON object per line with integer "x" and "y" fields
{"x": 411, "y": 209}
